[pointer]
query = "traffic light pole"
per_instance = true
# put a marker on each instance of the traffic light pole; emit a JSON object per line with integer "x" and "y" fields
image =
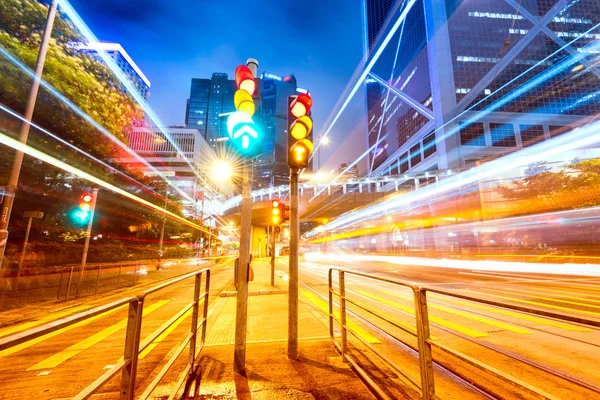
{"x": 273, "y": 255}
{"x": 88, "y": 234}
{"x": 293, "y": 267}
{"x": 241, "y": 314}
{"x": 24, "y": 133}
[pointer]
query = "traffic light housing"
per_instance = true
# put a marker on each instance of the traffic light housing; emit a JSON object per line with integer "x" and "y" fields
{"x": 299, "y": 126}
{"x": 82, "y": 214}
{"x": 276, "y": 212}
{"x": 244, "y": 134}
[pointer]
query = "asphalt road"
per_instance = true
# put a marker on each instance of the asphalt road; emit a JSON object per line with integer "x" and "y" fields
{"x": 551, "y": 358}
{"x": 61, "y": 364}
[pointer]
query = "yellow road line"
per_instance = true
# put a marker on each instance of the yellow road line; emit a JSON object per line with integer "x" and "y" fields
{"x": 464, "y": 314}
{"x": 35, "y": 341}
{"x": 585, "y": 289}
{"x": 163, "y": 335}
{"x": 549, "y": 322}
{"x": 531, "y": 302}
{"x": 545, "y": 298}
{"x": 323, "y": 306}
{"x": 563, "y": 291}
{"x": 440, "y": 321}
{"x": 51, "y": 317}
{"x": 62, "y": 356}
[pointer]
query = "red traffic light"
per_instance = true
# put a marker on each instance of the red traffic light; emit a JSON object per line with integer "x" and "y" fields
{"x": 275, "y": 203}
{"x": 86, "y": 197}
{"x": 301, "y": 105}
{"x": 244, "y": 79}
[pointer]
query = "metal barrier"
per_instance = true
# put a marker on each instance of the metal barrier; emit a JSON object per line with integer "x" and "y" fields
{"x": 133, "y": 345}
{"x": 78, "y": 281}
{"x": 426, "y": 386}
{"x": 424, "y": 342}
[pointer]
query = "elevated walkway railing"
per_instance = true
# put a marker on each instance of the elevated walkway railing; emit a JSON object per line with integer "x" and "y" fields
{"x": 133, "y": 345}
{"x": 339, "y": 312}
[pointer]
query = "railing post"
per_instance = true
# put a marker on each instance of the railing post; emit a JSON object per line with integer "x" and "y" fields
{"x": 343, "y": 314}
{"x": 69, "y": 284}
{"x": 192, "y": 357}
{"x": 132, "y": 348}
{"x": 98, "y": 279}
{"x": 425, "y": 357}
{"x": 119, "y": 276}
{"x": 205, "y": 314}
{"x": 331, "y": 304}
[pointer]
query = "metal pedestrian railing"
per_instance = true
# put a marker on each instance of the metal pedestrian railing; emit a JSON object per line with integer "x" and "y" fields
{"x": 78, "y": 281}
{"x": 338, "y": 313}
{"x": 133, "y": 345}
{"x": 426, "y": 386}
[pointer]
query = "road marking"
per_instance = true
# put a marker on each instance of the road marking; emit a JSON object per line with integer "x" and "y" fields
{"x": 35, "y": 341}
{"x": 544, "y": 298}
{"x": 323, "y": 306}
{"x": 464, "y": 314}
{"x": 440, "y": 321}
{"x": 44, "y": 373}
{"x": 52, "y": 317}
{"x": 531, "y": 302}
{"x": 166, "y": 333}
{"x": 62, "y": 356}
{"x": 108, "y": 366}
{"x": 549, "y": 322}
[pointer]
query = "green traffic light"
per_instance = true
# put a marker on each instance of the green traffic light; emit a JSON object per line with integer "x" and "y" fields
{"x": 244, "y": 134}
{"x": 81, "y": 216}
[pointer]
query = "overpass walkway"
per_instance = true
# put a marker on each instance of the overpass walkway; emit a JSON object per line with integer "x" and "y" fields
{"x": 318, "y": 374}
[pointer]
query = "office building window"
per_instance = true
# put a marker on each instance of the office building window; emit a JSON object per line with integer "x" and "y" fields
{"x": 403, "y": 163}
{"x": 531, "y": 134}
{"x": 556, "y": 130}
{"x": 415, "y": 154}
{"x": 472, "y": 135}
{"x": 503, "y": 135}
{"x": 429, "y": 146}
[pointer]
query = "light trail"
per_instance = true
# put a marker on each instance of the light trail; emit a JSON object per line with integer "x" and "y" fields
{"x": 536, "y": 268}
{"x": 70, "y": 145}
{"x": 30, "y": 151}
{"x": 580, "y": 138}
{"x": 51, "y": 89}
{"x": 111, "y": 63}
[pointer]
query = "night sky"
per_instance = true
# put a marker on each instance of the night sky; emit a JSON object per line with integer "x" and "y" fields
{"x": 174, "y": 41}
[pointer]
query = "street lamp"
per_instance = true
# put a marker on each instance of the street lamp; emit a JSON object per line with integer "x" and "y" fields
{"x": 323, "y": 141}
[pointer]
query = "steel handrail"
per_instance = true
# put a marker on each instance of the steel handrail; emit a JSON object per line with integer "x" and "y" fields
{"x": 425, "y": 343}
{"x": 132, "y": 348}
{"x": 427, "y": 386}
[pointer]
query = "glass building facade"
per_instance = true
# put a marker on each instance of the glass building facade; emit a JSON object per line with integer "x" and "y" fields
{"x": 464, "y": 81}
{"x": 208, "y": 99}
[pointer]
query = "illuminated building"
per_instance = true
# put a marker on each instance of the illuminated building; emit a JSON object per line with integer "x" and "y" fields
{"x": 155, "y": 148}
{"x": 210, "y": 98}
{"x": 450, "y": 87}
{"x": 123, "y": 61}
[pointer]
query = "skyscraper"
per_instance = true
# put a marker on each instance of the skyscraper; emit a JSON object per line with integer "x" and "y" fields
{"x": 459, "y": 81}
{"x": 210, "y": 98}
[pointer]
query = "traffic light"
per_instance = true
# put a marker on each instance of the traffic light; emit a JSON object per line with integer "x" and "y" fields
{"x": 85, "y": 206}
{"x": 299, "y": 127}
{"x": 276, "y": 214}
{"x": 244, "y": 133}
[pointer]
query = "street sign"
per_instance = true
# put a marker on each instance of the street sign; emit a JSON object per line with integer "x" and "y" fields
{"x": 33, "y": 214}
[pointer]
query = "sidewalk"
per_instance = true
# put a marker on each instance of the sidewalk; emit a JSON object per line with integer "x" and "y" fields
{"x": 318, "y": 374}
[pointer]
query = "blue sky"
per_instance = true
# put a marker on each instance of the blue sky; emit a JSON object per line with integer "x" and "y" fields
{"x": 174, "y": 41}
